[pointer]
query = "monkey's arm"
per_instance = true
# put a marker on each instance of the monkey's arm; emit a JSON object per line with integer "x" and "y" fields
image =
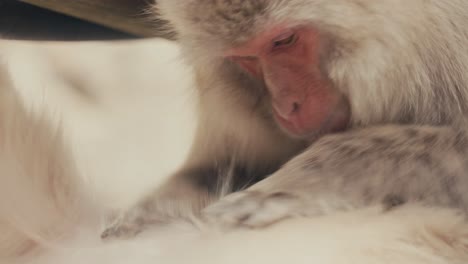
{"x": 208, "y": 174}
{"x": 387, "y": 165}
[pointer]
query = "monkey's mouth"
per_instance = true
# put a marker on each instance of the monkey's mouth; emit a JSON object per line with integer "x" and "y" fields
{"x": 337, "y": 120}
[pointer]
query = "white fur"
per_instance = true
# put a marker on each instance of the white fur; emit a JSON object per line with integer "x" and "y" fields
{"x": 31, "y": 153}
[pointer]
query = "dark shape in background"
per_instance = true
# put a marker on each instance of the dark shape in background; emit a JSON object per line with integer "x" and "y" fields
{"x": 78, "y": 20}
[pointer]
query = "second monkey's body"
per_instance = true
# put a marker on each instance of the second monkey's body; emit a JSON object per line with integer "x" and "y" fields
{"x": 377, "y": 91}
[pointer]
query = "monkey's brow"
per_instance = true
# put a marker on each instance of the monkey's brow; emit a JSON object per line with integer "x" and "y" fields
{"x": 232, "y": 20}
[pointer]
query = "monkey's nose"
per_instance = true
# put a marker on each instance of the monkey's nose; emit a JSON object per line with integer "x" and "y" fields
{"x": 287, "y": 108}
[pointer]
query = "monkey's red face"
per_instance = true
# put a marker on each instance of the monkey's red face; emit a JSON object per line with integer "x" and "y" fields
{"x": 287, "y": 60}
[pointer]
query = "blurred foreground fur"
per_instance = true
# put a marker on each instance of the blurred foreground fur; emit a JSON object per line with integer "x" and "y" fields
{"x": 40, "y": 199}
{"x": 43, "y": 205}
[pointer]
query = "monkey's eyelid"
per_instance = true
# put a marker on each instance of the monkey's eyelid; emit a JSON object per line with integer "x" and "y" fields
{"x": 285, "y": 40}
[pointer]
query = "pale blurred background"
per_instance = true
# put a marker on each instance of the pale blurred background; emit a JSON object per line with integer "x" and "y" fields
{"x": 126, "y": 107}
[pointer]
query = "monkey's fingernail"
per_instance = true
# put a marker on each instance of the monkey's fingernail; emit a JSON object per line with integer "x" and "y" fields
{"x": 106, "y": 234}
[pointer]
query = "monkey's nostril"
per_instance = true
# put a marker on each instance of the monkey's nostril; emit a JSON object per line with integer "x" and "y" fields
{"x": 287, "y": 109}
{"x": 295, "y": 108}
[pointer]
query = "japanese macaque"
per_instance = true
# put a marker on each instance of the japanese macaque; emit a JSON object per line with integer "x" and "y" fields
{"x": 341, "y": 103}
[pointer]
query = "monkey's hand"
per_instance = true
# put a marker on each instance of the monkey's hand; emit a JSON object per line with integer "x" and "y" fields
{"x": 254, "y": 209}
{"x": 261, "y": 206}
{"x": 131, "y": 223}
{"x": 175, "y": 201}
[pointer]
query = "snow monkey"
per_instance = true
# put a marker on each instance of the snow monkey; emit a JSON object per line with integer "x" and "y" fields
{"x": 341, "y": 103}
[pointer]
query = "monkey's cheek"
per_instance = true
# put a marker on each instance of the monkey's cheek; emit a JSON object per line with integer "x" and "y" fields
{"x": 339, "y": 118}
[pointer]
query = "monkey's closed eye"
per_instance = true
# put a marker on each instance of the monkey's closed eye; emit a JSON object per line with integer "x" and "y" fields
{"x": 242, "y": 59}
{"x": 285, "y": 41}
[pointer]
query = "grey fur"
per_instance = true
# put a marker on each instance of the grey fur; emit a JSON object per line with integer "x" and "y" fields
{"x": 403, "y": 65}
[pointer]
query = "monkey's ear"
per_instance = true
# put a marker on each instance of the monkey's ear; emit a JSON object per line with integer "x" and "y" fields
{"x": 80, "y": 20}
